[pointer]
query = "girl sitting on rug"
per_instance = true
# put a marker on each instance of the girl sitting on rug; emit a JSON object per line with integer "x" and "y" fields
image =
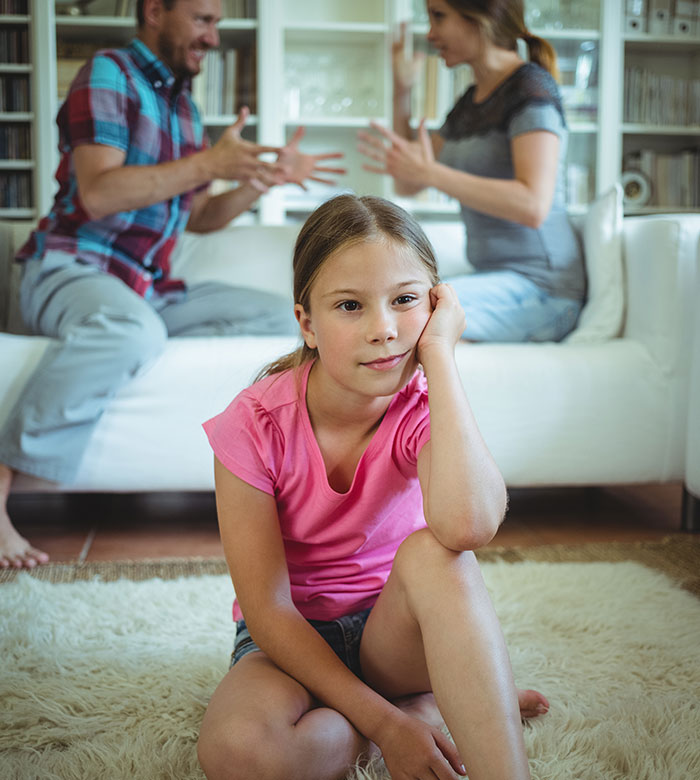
{"x": 352, "y": 484}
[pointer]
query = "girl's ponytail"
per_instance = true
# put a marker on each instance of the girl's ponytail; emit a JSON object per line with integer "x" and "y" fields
{"x": 542, "y": 53}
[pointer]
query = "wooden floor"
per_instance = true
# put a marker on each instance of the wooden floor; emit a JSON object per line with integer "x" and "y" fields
{"x": 165, "y": 525}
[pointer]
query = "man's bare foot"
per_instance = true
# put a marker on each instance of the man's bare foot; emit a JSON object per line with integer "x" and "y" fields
{"x": 15, "y": 550}
{"x": 532, "y": 703}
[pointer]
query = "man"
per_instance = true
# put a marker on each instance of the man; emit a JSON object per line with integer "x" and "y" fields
{"x": 134, "y": 170}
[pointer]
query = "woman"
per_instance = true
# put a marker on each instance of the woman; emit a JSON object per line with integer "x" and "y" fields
{"x": 500, "y": 153}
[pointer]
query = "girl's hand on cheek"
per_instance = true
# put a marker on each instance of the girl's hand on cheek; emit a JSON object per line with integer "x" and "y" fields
{"x": 446, "y": 323}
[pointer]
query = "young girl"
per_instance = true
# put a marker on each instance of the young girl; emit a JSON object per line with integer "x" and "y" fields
{"x": 501, "y": 153}
{"x": 352, "y": 484}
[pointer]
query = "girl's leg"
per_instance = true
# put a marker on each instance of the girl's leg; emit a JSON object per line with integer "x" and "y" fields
{"x": 262, "y": 724}
{"x": 434, "y": 627}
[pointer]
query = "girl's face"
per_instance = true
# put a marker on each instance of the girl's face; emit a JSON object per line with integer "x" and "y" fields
{"x": 368, "y": 307}
{"x": 457, "y": 39}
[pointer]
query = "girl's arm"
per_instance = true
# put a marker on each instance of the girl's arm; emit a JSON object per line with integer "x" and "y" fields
{"x": 526, "y": 198}
{"x": 464, "y": 495}
{"x": 255, "y": 555}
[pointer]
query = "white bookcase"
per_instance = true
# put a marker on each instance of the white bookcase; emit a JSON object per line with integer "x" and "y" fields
{"x": 25, "y": 116}
{"x": 325, "y": 64}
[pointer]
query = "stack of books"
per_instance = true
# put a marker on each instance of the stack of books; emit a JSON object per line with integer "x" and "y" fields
{"x": 652, "y": 98}
{"x": 14, "y": 7}
{"x": 14, "y": 93}
{"x": 15, "y": 190}
{"x": 15, "y": 142}
{"x": 226, "y": 82}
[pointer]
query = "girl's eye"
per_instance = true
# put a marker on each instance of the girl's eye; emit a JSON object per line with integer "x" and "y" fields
{"x": 403, "y": 299}
{"x": 349, "y": 306}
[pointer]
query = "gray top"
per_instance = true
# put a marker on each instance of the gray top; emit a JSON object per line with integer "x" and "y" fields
{"x": 477, "y": 140}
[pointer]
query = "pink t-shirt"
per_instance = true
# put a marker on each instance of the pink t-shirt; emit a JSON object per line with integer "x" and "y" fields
{"x": 339, "y": 546}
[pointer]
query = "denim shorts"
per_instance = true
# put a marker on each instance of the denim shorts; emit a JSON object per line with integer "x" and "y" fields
{"x": 343, "y": 635}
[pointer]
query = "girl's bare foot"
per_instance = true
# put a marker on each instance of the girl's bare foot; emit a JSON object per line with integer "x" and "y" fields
{"x": 423, "y": 706}
{"x": 15, "y": 550}
{"x": 532, "y": 703}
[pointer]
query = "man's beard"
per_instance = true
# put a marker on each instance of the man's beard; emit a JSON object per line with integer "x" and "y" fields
{"x": 169, "y": 57}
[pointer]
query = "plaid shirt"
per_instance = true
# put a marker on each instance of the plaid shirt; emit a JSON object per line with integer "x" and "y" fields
{"x": 130, "y": 100}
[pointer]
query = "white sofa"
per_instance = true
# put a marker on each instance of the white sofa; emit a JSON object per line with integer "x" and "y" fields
{"x": 589, "y": 411}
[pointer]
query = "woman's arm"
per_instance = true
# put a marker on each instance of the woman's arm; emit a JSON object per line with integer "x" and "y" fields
{"x": 464, "y": 496}
{"x": 526, "y": 198}
{"x": 255, "y": 555}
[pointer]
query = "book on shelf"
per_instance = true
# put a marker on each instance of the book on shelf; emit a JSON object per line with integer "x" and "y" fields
{"x": 657, "y": 99}
{"x": 14, "y": 93}
{"x": 15, "y": 142}
{"x": 230, "y": 81}
{"x": 14, "y": 45}
{"x": 239, "y": 9}
{"x": 14, "y": 7}
{"x": 215, "y": 89}
{"x": 15, "y": 190}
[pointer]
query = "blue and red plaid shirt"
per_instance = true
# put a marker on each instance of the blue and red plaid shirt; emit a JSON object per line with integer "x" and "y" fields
{"x": 130, "y": 100}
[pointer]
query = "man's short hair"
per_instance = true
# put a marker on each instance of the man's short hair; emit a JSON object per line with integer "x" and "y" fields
{"x": 139, "y": 10}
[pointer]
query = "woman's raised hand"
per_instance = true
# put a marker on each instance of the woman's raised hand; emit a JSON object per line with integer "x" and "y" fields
{"x": 410, "y": 162}
{"x": 405, "y": 69}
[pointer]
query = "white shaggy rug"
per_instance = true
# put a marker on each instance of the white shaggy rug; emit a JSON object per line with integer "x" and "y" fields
{"x": 110, "y": 679}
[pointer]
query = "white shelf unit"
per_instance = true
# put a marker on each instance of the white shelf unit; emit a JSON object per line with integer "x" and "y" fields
{"x": 332, "y": 50}
{"x": 17, "y": 145}
{"x": 660, "y": 129}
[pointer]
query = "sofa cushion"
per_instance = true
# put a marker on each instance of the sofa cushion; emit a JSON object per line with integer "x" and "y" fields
{"x": 601, "y": 317}
{"x": 242, "y": 255}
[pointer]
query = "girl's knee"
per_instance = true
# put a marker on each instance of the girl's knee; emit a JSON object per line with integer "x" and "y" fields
{"x": 421, "y": 555}
{"x": 242, "y": 751}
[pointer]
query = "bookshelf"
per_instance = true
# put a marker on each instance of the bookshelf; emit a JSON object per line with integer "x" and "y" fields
{"x": 325, "y": 64}
{"x": 17, "y": 163}
{"x": 661, "y": 122}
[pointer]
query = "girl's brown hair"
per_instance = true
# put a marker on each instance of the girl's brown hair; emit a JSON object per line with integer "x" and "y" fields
{"x": 337, "y": 224}
{"x": 503, "y": 22}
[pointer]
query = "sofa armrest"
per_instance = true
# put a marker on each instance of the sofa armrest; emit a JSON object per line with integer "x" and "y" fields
{"x": 660, "y": 269}
{"x": 12, "y": 236}
{"x": 692, "y": 474}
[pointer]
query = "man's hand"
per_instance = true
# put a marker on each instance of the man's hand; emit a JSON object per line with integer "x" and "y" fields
{"x": 299, "y": 166}
{"x": 235, "y": 159}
